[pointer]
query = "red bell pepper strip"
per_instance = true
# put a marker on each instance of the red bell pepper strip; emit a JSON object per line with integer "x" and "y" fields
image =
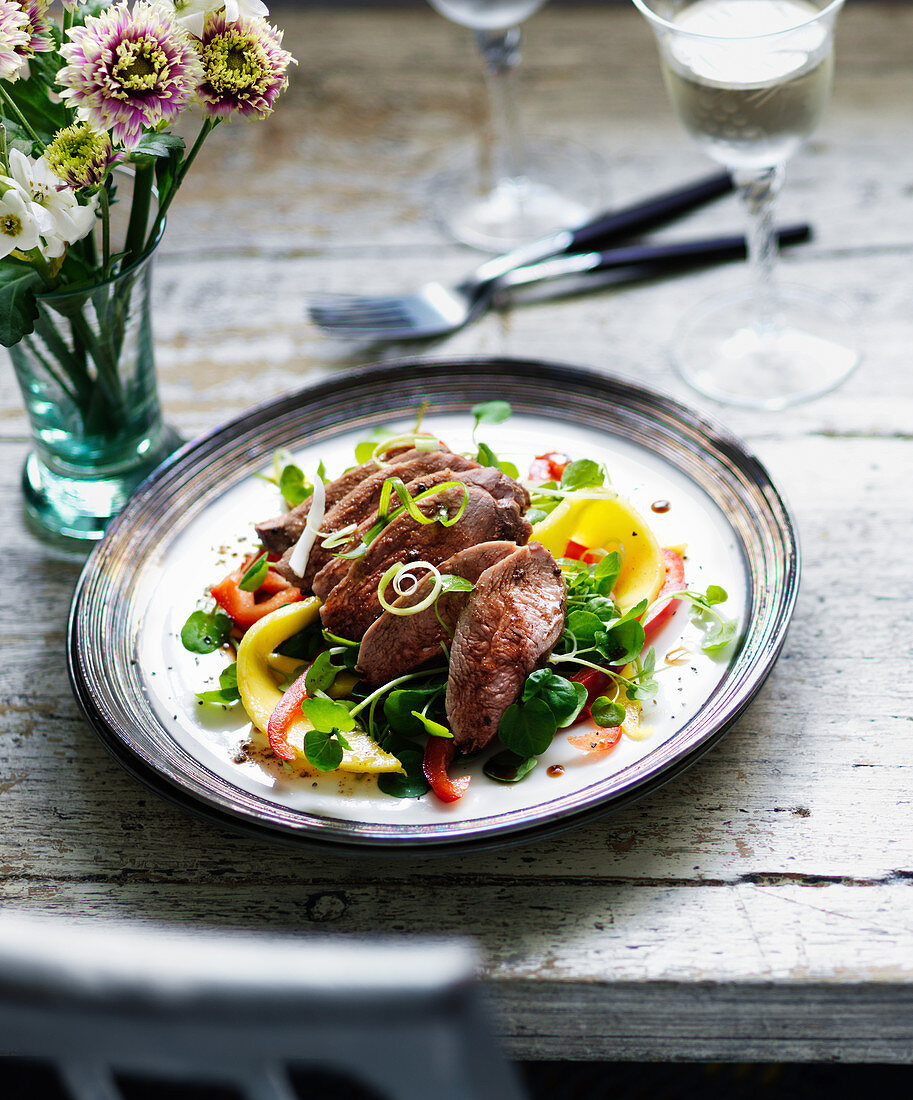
{"x": 548, "y": 467}
{"x": 599, "y": 740}
{"x": 579, "y": 552}
{"x": 661, "y": 612}
{"x": 439, "y": 754}
{"x": 243, "y": 607}
{"x": 286, "y": 710}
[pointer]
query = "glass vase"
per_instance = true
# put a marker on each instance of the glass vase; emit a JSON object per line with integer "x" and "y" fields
{"x": 87, "y": 374}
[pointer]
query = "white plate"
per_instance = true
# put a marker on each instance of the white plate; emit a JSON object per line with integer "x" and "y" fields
{"x": 190, "y": 523}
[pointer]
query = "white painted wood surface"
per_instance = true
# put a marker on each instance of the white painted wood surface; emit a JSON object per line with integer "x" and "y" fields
{"x": 758, "y": 907}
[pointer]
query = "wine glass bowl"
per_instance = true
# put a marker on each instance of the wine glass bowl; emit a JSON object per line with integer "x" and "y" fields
{"x": 749, "y": 80}
{"x": 520, "y": 189}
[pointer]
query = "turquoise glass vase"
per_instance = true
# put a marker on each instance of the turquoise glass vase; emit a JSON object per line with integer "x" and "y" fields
{"x": 87, "y": 375}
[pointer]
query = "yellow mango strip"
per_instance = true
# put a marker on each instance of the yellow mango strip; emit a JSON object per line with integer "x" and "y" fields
{"x": 259, "y": 694}
{"x": 608, "y": 523}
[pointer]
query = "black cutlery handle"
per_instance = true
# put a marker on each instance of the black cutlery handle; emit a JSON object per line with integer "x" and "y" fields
{"x": 710, "y": 250}
{"x": 649, "y": 213}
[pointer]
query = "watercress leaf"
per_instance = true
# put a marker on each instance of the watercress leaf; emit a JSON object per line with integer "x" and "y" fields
{"x": 491, "y": 412}
{"x": 535, "y": 683}
{"x": 725, "y": 633}
{"x": 582, "y": 473}
{"x": 566, "y": 699}
{"x": 584, "y": 625}
{"x": 622, "y": 642}
{"x": 255, "y": 575}
{"x": 434, "y": 728}
{"x": 536, "y": 515}
{"x": 364, "y": 450}
{"x": 322, "y": 749}
{"x": 322, "y": 673}
{"x": 326, "y": 715}
{"x": 411, "y": 785}
{"x": 486, "y": 456}
{"x": 227, "y": 694}
{"x": 606, "y": 712}
{"x": 715, "y": 594}
{"x": 305, "y": 645}
{"x": 508, "y": 767}
{"x": 606, "y": 573}
{"x": 399, "y": 706}
{"x": 452, "y": 583}
{"x": 205, "y": 631}
{"x": 527, "y": 728}
{"x": 294, "y": 486}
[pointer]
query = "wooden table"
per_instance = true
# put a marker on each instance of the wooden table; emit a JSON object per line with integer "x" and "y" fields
{"x": 757, "y": 908}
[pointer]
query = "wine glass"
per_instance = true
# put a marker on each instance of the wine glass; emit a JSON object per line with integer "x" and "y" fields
{"x": 749, "y": 80}
{"x": 524, "y": 190}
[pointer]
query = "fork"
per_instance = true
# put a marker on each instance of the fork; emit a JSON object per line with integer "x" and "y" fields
{"x": 435, "y": 309}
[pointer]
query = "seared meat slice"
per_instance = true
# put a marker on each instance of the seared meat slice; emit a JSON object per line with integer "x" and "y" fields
{"x": 510, "y": 622}
{"x": 282, "y": 532}
{"x": 489, "y": 478}
{"x": 396, "y": 644}
{"x": 353, "y": 605}
{"x": 361, "y": 503}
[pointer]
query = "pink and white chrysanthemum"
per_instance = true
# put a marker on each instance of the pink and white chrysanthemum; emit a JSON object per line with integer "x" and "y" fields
{"x": 14, "y": 38}
{"x": 243, "y": 66}
{"x": 129, "y": 70}
{"x": 36, "y": 12}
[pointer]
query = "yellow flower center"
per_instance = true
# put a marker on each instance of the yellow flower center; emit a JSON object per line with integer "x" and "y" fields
{"x": 10, "y": 225}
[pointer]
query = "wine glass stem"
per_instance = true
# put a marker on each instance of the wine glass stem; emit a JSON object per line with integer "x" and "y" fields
{"x": 759, "y": 191}
{"x": 501, "y": 51}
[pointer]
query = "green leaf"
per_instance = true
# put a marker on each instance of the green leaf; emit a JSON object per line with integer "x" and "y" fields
{"x": 720, "y": 635}
{"x": 411, "y": 785}
{"x": 294, "y": 486}
{"x": 536, "y": 515}
{"x": 606, "y": 712}
{"x": 322, "y": 749}
{"x": 227, "y": 693}
{"x": 159, "y": 145}
{"x": 452, "y": 583}
{"x": 622, "y": 642}
{"x": 715, "y": 594}
{"x": 205, "y": 631}
{"x": 487, "y": 457}
{"x": 400, "y": 705}
{"x": 328, "y": 716}
{"x": 528, "y": 728}
{"x": 508, "y": 767}
{"x": 584, "y": 625}
{"x": 255, "y": 574}
{"x": 491, "y": 412}
{"x": 18, "y": 308}
{"x": 582, "y": 473}
{"x": 606, "y": 572}
{"x": 564, "y": 698}
{"x": 322, "y": 673}
{"x": 434, "y": 728}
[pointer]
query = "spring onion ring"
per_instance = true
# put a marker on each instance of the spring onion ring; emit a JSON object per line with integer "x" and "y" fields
{"x": 420, "y": 441}
{"x": 399, "y": 574}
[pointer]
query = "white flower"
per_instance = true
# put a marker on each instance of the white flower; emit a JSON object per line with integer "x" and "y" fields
{"x": 53, "y": 205}
{"x": 191, "y": 14}
{"x": 18, "y": 227}
{"x": 251, "y": 9}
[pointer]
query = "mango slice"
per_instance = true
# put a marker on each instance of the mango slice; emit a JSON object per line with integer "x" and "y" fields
{"x": 259, "y": 694}
{"x": 611, "y": 523}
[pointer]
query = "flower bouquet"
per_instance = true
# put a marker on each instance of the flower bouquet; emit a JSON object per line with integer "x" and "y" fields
{"x": 89, "y": 165}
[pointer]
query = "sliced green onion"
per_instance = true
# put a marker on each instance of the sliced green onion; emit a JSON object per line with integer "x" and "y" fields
{"x": 410, "y": 503}
{"x": 420, "y": 441}
{"x": 338, "y": 538}
{"x": 402, "y": 572}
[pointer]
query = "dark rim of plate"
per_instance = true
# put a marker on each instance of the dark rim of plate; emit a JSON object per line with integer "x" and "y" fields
{"x": 107, "y": 680}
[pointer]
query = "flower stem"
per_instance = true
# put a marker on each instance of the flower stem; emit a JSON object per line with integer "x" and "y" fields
{"x": 20, "y": 117}
{"x": 205, "y": 130}
{"x": 143, "y": 179}
{"x": 105, "y": 230}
